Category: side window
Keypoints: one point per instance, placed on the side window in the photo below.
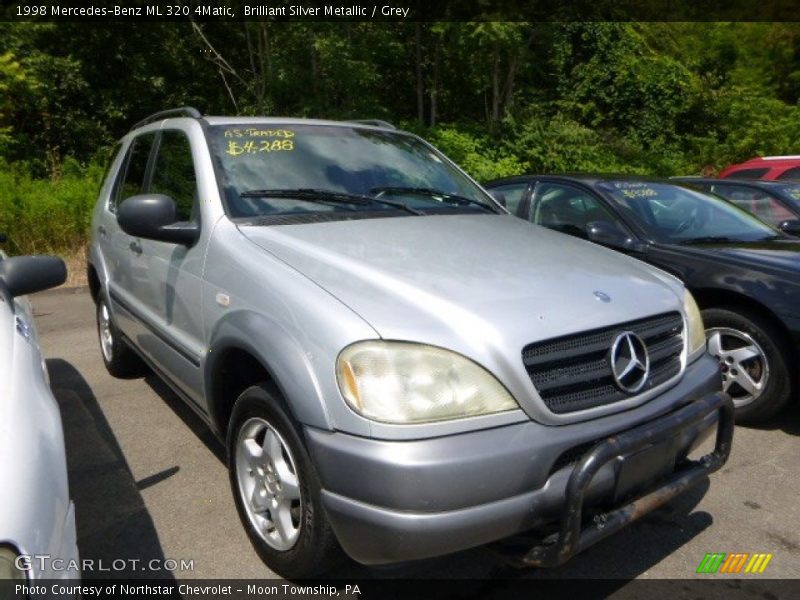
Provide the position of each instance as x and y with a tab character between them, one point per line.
173	173
131	181
567	209
746	174
703	187
107	171
512	195
755	201
793	173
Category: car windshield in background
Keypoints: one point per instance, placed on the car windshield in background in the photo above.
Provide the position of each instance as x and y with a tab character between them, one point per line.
674	214
792	194
336	168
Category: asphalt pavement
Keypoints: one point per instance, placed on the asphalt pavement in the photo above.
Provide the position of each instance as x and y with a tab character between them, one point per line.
149	482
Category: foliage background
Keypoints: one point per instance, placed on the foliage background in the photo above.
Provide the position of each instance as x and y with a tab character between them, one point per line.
499	98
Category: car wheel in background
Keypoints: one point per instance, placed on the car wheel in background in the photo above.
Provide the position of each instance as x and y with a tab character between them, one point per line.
753	360
120	360
276	488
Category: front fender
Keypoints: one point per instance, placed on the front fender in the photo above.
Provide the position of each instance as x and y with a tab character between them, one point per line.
289	365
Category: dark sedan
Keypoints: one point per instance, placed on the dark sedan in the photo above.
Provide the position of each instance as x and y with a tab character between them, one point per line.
774	202
744	274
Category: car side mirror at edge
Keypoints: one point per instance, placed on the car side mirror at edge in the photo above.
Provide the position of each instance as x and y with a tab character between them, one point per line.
791	226
608	234
153	217
28	274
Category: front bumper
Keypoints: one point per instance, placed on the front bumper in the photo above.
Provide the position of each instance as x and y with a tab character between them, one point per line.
573	538
391	501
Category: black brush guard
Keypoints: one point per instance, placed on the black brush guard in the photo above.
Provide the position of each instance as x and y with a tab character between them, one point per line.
571	540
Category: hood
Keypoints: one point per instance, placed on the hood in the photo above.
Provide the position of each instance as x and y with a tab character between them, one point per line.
473	283
783	254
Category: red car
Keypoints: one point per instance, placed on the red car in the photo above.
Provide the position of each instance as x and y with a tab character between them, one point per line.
766	167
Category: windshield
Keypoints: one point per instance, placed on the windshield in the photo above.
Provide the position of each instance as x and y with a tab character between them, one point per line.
674	214
397	169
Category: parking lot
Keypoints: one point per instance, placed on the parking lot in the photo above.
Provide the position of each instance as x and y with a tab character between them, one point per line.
149	482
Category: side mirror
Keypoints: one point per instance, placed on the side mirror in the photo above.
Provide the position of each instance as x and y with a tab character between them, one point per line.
792	227
607	234
499	197
28	274
153	217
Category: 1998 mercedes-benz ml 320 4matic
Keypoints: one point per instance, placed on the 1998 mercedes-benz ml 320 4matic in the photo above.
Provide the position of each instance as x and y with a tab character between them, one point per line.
397	366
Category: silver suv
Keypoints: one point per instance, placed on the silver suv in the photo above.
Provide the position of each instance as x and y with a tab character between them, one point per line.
396	365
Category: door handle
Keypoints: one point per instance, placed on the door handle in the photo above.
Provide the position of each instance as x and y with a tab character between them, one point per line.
136	247
101	230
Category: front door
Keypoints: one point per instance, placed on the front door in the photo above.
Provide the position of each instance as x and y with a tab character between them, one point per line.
170	295
126	271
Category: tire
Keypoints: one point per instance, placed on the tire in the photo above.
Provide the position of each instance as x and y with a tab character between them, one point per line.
732	329
120	360
285	483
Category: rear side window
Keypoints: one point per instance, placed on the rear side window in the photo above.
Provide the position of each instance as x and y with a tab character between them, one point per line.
698	185
173	173
132	182
746	174
567	209
512	195
109	163
793	173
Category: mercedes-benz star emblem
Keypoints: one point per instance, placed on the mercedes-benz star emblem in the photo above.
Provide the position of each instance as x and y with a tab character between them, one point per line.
630	362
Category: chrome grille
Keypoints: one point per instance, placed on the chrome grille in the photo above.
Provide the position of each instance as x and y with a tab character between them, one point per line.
573	372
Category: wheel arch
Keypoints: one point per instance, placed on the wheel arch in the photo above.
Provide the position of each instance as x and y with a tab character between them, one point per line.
94	281
728	299
248	349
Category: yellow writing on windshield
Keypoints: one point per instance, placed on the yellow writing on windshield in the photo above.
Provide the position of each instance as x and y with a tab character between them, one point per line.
252	132
237	148
640	193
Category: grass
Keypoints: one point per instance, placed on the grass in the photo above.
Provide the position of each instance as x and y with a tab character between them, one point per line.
49	216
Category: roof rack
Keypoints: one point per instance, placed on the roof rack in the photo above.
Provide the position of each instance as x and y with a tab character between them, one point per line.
373	122
183	111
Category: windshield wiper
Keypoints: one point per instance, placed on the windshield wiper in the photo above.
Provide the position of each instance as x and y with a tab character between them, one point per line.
323	196
709	239
309	194
431	192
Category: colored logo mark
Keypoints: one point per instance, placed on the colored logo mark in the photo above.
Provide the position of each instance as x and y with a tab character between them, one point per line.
735	562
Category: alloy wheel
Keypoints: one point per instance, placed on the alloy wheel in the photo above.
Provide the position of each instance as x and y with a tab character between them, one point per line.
744	366
268	483
105	332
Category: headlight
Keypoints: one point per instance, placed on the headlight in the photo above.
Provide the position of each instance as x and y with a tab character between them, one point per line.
9	570
696	331
401	382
